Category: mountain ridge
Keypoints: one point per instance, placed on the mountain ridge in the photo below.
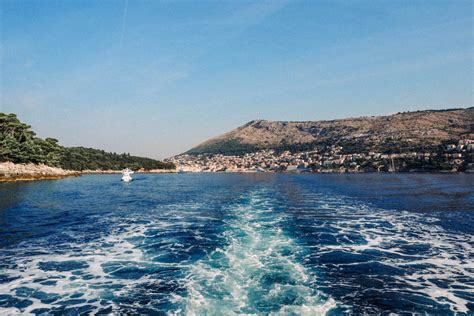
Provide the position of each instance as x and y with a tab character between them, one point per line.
401	131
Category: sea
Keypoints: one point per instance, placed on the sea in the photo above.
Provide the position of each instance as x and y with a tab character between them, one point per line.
233	244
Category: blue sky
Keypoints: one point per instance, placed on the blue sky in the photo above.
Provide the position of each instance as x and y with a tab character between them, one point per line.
155	78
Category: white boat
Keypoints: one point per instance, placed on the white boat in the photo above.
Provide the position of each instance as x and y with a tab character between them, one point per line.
127	175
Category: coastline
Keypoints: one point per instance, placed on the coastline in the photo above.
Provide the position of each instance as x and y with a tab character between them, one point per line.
336	171
11	172
110	171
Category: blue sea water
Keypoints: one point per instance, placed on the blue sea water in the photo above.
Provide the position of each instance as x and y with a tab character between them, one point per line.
225	244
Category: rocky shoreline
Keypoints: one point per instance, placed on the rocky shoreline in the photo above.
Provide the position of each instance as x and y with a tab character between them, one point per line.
11	172
98	171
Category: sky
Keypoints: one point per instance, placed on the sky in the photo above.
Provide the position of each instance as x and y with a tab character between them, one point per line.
155	78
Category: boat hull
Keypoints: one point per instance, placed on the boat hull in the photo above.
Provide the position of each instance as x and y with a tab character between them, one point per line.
126	179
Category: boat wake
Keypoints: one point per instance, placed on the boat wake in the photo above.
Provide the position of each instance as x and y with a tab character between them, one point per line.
373	258
255	272
269	252
131	269
72	281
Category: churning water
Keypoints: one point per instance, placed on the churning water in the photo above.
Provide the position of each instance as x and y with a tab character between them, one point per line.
271	244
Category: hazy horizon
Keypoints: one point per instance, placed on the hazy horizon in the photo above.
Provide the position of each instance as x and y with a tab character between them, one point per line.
157	78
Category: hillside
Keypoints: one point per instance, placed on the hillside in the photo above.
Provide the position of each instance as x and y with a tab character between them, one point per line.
400	132
80	158
19	144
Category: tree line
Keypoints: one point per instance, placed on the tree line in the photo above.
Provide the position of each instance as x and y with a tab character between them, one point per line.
19	144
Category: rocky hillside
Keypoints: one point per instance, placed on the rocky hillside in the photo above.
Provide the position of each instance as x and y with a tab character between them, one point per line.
393	133
10	172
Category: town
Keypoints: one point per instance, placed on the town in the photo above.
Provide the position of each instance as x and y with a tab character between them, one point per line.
454	157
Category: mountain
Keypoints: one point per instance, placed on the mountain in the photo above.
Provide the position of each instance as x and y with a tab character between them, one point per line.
400	132
19	144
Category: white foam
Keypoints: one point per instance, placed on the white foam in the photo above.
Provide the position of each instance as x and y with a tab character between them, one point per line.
93	254
231	279
443	254
256	247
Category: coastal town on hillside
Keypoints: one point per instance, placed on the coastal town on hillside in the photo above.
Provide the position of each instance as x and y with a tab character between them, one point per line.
451	158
